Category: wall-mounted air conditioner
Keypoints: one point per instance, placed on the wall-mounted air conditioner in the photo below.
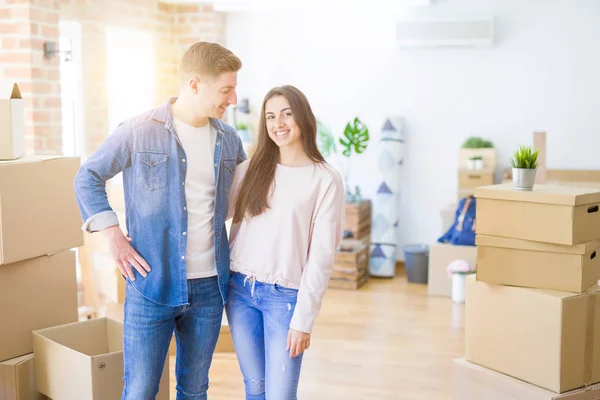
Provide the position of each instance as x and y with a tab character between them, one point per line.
446	32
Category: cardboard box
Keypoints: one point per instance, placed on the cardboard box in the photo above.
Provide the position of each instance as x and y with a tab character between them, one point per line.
547	338
440	255
35	294
12	122
448	215
116	195
108	280
538	265
474	382
488	155
474	178
84	361
549	213
17	379
38	210
462	193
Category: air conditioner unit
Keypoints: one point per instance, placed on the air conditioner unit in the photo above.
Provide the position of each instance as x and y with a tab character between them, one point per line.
462	32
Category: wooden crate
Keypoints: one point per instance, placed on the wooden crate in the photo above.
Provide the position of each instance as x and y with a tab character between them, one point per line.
351	267
358	218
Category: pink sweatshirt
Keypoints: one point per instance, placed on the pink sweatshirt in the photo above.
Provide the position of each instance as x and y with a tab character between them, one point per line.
294	242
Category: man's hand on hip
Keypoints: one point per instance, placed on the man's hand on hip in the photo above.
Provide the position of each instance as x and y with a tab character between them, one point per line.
123	254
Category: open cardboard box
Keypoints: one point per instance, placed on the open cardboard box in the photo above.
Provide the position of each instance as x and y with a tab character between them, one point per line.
84	361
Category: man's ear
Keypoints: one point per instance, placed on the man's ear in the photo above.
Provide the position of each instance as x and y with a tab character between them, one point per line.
194	83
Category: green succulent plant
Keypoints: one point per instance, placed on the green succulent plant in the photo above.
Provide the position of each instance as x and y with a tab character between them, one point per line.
525	158
475	142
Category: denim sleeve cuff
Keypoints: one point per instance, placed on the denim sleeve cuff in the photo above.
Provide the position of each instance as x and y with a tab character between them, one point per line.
100	221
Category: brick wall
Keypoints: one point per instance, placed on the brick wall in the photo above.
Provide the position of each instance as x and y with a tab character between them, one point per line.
26	24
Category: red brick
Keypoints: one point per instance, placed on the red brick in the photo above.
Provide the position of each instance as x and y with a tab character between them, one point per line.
9	43
5	14
185	8
17	72
37	15
53	74
41	117
15	57
38	73
50	31
31	44
52	103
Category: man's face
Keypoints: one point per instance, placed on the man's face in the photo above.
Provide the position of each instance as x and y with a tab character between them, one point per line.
215	94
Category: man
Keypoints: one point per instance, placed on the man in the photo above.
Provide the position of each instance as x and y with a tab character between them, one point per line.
178	162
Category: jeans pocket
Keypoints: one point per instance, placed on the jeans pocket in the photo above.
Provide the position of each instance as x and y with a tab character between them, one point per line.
284	291
152	169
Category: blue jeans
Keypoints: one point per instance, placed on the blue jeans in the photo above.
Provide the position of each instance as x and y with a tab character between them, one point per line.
259	316
147	335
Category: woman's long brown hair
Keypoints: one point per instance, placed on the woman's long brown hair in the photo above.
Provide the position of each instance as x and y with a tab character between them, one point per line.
255	190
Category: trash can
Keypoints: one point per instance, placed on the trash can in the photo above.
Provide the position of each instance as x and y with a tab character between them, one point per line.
416	262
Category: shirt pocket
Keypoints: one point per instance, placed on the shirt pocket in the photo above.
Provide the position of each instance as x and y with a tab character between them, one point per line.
152	169
228	171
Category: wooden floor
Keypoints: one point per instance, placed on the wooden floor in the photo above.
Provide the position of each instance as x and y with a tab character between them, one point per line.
388	340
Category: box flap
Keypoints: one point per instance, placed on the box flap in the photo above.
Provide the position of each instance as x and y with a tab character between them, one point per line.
511	243
547	194
516	387
33	159
10	90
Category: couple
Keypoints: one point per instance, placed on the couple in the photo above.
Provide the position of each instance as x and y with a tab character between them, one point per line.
185	173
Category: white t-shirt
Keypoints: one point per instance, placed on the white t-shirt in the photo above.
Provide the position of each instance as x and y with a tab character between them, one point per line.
199	147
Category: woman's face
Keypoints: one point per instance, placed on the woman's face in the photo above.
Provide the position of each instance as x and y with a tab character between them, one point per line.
281	125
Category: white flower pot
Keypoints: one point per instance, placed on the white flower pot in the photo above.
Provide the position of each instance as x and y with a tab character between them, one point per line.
523	179
459	287
475	164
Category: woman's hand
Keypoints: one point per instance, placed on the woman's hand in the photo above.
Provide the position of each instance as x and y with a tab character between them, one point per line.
297	342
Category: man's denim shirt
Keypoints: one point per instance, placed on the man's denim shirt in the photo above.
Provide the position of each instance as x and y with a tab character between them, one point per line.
147	150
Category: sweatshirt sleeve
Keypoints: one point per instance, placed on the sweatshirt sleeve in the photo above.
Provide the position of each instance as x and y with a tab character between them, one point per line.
238	177
326	236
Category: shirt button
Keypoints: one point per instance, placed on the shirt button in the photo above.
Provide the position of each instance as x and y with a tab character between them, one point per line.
215	165
184	233
218	143
183	183
183	160
183	257
217	258
184	208
216	233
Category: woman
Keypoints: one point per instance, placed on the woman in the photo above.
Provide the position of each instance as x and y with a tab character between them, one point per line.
287	208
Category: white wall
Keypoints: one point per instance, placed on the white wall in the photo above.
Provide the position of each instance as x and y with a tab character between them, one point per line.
542	74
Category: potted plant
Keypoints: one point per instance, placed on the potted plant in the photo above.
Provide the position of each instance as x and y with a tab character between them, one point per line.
477	148
475	162
524	167
243	131
354	141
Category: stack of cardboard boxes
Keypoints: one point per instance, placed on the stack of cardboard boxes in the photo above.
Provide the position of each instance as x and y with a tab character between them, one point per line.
533	309
44	351
470	178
